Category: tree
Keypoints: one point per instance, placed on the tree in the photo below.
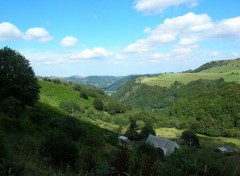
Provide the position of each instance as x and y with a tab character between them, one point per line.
84	94
131	132
146	130
98	104
190	138
17	78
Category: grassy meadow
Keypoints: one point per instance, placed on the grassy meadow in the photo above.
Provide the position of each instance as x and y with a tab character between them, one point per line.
230	72
54	94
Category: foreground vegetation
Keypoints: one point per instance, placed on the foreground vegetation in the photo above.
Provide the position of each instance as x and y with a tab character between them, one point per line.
72	129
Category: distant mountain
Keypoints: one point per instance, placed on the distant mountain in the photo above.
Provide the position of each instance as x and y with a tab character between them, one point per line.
119	83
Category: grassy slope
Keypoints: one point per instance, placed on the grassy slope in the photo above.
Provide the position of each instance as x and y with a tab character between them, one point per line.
230	72
205	141
54	94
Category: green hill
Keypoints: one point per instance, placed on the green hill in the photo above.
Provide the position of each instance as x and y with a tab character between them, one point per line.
54	94
229	70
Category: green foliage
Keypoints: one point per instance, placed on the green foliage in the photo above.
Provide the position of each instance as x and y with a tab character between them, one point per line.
60	150
210	65
233	132
98	104
121	162
71	127
84	95
3	150
198	162
209	103
10	168
146	130
90	161
17	78
190	138
69	107
11	106
115	108
131	132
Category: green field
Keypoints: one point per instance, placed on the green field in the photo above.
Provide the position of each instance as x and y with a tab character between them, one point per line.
205	141
166	80
54	94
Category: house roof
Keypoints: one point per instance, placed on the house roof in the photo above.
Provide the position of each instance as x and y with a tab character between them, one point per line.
166	145
225	149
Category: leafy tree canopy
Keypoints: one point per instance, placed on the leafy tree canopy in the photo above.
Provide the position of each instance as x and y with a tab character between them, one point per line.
17	78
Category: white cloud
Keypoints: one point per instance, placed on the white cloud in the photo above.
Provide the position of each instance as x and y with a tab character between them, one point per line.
9	32
140	46
158	6
189	29
69	41
39	34
191	41
95	53
227	28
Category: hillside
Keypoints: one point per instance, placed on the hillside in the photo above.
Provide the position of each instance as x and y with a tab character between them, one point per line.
119	83
95	81
229	70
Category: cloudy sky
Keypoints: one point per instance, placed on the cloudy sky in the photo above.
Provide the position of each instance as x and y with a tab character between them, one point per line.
120	37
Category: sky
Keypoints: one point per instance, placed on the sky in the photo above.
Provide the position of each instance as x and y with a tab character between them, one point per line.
120	37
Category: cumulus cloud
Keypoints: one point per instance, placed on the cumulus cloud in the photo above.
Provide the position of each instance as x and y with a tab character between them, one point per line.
69	41
39	34
9	32
188	29
158	6
90	54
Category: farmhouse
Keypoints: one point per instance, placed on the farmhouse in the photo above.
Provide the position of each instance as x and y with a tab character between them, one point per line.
225	149
166	145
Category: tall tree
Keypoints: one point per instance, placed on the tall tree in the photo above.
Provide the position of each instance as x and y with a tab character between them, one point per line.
17	78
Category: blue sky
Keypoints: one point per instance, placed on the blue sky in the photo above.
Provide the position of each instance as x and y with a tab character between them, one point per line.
120	37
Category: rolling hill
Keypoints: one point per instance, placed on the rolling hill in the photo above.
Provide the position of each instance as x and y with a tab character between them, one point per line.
229	70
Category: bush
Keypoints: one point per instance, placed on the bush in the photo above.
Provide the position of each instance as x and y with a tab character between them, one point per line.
84	95
11	106
190	138
98	104
60	150
3	151
69	107
146	130
71	127
232	132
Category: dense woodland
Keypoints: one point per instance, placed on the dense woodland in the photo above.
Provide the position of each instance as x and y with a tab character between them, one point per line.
50	127
207	103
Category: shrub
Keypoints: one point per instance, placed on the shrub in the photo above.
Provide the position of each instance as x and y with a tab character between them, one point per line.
232	132
190	138
71	127
60	150
11	106
84	94
69	107
98	104
146	130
